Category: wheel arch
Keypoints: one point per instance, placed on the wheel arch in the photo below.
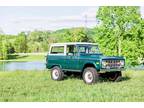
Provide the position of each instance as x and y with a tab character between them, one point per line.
89	65
55	65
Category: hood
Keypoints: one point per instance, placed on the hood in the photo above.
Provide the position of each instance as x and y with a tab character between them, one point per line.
101	56
112	57
91	56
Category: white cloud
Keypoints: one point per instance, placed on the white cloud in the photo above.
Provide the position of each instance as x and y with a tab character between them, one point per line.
19	24
53	23
90	13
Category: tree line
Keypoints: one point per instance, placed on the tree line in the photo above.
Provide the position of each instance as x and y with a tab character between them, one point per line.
120	32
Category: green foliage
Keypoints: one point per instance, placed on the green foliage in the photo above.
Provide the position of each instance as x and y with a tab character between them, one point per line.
38	41
21	43
3	47
120	32
78	35
37	86
4	51
71	35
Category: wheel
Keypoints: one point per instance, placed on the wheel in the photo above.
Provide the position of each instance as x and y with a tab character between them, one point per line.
114	76
90	75
57	73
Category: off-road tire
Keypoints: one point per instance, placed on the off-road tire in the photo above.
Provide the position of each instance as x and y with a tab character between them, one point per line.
57	73
90	75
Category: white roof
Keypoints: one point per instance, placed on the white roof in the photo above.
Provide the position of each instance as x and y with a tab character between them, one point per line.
74	43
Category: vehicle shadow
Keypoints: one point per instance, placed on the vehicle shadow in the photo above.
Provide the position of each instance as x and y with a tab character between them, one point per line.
125	78
101	80
121	79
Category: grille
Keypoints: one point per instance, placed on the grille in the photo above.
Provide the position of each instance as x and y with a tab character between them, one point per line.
112	63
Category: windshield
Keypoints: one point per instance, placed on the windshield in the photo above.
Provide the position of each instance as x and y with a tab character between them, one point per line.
90	49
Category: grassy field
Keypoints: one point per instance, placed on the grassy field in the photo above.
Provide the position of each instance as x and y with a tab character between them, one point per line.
37	86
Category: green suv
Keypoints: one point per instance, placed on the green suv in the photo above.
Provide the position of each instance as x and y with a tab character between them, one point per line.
85	59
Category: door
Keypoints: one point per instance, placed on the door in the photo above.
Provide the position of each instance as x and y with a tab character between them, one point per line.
57	56
72	58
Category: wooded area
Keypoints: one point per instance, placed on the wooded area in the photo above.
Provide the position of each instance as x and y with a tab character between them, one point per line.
120	32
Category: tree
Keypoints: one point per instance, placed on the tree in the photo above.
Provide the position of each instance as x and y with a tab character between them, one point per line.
38	41
77	35
119	30
3	47
21	43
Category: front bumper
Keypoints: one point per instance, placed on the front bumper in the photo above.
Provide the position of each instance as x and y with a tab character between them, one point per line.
111	70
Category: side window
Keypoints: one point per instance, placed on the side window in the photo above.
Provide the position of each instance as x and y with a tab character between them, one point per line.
83	49
57	50
93	49
71	50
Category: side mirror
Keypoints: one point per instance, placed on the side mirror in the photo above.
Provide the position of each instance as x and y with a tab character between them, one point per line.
70	54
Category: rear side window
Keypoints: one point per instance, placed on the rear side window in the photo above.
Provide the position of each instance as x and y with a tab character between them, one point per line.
57	50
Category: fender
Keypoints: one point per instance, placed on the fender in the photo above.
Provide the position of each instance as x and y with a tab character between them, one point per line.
54	65
91	64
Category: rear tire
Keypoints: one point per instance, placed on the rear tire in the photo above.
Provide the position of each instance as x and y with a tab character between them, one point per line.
57	73
90	75
114	76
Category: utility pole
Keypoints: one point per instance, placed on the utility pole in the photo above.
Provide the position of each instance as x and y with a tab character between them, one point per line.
86	25
85	38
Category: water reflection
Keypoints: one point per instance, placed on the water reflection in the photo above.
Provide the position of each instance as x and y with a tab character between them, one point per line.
13	66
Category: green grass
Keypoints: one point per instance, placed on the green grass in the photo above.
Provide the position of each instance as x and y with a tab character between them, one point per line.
14	57
37	86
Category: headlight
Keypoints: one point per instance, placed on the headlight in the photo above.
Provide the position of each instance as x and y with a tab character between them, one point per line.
122	62
104	63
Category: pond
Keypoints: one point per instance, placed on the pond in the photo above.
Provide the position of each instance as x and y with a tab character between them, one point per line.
13	66
40	65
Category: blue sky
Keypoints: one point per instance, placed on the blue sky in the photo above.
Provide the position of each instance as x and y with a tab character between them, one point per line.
16	19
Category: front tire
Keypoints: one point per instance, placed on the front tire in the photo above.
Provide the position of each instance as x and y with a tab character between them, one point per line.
57	73
90	75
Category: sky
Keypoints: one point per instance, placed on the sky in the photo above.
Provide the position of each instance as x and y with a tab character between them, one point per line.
14	19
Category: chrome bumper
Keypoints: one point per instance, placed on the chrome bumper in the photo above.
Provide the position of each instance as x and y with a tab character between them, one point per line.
111	70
